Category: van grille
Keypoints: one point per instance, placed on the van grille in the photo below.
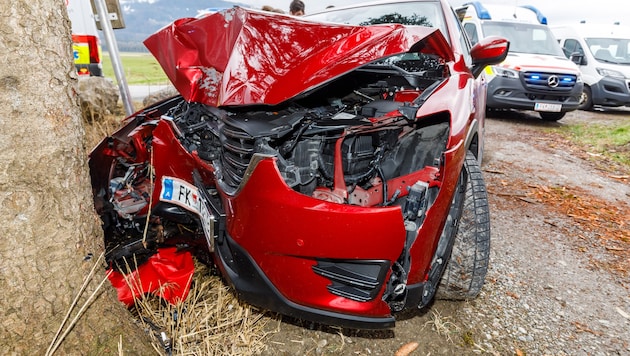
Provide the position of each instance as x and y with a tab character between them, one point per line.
550	81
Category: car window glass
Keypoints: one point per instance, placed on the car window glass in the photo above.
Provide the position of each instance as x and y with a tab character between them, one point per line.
471	31
412	14
463	40
611	50
524	38
572	46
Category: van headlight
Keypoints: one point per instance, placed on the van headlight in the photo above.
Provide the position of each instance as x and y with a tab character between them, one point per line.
610	73
505	72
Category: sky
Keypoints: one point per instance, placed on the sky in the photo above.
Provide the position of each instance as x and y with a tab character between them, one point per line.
558	12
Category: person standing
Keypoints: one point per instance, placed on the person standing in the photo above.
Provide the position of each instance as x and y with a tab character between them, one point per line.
271	9
297	8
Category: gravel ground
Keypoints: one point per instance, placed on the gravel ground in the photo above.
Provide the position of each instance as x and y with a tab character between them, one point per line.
544	295
546	292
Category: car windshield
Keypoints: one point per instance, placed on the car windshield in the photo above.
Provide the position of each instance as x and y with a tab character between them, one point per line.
611	50
427	14
524	38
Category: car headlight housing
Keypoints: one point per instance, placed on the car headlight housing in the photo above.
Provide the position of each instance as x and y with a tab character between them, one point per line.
610	73
505	72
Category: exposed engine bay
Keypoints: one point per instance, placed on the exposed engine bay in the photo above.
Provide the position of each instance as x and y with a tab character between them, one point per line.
372	109
364	122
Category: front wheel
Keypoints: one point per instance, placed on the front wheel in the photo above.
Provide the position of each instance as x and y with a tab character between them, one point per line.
466	270
586	99
551	116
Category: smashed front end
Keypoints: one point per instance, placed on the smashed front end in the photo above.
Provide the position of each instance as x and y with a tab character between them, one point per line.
324	201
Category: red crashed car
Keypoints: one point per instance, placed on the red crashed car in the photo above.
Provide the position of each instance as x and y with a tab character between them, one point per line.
326	165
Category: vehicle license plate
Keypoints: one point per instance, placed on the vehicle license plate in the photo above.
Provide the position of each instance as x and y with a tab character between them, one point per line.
548	107
180	192
207	221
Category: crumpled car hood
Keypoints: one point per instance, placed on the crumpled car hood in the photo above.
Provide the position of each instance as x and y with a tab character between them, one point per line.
247	57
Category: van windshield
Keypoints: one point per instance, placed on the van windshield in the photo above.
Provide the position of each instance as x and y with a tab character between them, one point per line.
610	50
524	38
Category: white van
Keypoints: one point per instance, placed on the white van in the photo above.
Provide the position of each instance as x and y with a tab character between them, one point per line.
535	75
602	53
86	45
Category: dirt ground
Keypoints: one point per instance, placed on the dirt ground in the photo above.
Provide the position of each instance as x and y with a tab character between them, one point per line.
558	282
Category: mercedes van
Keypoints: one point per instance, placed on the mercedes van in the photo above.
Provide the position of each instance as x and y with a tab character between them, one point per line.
602	52
535	75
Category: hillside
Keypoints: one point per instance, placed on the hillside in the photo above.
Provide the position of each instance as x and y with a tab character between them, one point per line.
142	18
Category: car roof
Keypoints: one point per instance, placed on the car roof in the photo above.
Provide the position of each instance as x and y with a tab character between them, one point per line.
600	30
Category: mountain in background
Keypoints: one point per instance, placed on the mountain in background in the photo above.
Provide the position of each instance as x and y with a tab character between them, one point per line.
144	17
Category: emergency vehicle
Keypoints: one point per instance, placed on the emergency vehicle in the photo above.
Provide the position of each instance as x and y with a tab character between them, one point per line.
535	75
602	52
86	45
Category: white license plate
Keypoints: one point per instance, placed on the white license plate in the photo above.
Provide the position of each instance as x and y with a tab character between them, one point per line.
548	107
186	195
180	192
207	222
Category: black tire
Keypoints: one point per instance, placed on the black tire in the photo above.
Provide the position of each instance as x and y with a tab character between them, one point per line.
586	100
466	270
551	116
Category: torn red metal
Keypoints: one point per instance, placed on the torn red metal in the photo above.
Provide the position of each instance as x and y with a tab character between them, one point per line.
166	274
244	57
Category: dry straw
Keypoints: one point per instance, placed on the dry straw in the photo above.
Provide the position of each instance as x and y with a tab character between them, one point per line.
211	321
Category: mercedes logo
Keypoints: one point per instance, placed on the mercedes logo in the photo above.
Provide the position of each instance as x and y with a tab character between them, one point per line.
553	81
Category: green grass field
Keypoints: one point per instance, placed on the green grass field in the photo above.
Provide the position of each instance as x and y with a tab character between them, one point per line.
612	141
139	68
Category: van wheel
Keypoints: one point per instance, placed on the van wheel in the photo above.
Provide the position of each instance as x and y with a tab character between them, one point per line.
466	270
551	116
586	99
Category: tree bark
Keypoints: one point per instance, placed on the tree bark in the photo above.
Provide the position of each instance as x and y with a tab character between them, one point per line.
47	222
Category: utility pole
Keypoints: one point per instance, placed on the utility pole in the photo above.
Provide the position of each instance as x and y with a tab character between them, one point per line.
112	48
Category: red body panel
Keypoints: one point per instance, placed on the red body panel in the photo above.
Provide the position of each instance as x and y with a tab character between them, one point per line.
244	57
311	228
168	274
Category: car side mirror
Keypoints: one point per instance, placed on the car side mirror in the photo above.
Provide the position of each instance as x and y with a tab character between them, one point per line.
578	58
489	50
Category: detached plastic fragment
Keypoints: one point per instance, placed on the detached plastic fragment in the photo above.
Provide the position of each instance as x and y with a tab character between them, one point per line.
166	274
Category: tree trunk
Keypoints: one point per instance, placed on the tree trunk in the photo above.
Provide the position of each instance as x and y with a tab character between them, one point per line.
48	226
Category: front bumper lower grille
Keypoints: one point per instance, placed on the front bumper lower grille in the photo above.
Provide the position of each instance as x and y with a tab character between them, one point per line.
355	280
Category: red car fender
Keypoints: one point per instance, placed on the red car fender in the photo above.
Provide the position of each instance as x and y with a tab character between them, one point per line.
424	248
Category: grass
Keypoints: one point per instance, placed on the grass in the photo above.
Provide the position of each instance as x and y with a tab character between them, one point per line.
139	68
105	125
442	325
611	141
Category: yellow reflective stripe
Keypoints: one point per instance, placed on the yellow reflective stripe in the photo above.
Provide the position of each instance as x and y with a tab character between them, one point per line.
81	53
